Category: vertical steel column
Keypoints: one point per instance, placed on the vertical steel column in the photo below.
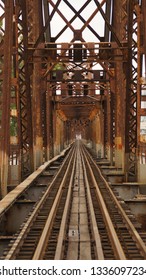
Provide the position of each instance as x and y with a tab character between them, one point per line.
112	116
142	97
25	72
144	27
120	116
6	95
37	87
67	132
46	16
106	127
109	126
49	90
108	147
108	16
54	130
44	122
132	91
49	123
65	139
120	86
138	11
14	177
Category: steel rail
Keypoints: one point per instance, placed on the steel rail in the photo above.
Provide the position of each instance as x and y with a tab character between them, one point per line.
59	248
98	246
19	240
109	224
40	249
134	233
140	243
12	196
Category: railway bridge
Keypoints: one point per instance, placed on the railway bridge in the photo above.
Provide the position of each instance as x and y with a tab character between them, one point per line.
72	129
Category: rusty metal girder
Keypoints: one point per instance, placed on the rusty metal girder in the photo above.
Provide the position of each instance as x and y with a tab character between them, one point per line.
108	17
115	37
6	87
74	55
78	14
109	125
25	90
117	88
133	89
68	24
37	88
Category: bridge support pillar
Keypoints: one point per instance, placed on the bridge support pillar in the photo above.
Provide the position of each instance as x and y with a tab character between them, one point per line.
6	97
120	84
37	91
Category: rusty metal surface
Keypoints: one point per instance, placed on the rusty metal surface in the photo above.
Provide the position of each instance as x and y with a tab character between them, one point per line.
119	84
44	71
132	91
6	96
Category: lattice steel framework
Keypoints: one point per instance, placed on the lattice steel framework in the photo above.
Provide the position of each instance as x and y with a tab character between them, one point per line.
24	74
132	88
8	88
28	54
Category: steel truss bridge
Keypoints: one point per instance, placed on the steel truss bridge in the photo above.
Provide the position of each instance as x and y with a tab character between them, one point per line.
70	70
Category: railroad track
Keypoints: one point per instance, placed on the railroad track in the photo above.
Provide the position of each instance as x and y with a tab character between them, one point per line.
123	234
79	217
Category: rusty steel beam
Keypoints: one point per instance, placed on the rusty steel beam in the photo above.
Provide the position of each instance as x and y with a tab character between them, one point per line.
114	33
6	96
29	83
92	16
25	72
108	13
141	141
78	14
47	29
108	125
106	128
49	123
61	15
47	24
118	85
2	32
37	89
132	90
143	7
15	150
138	10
